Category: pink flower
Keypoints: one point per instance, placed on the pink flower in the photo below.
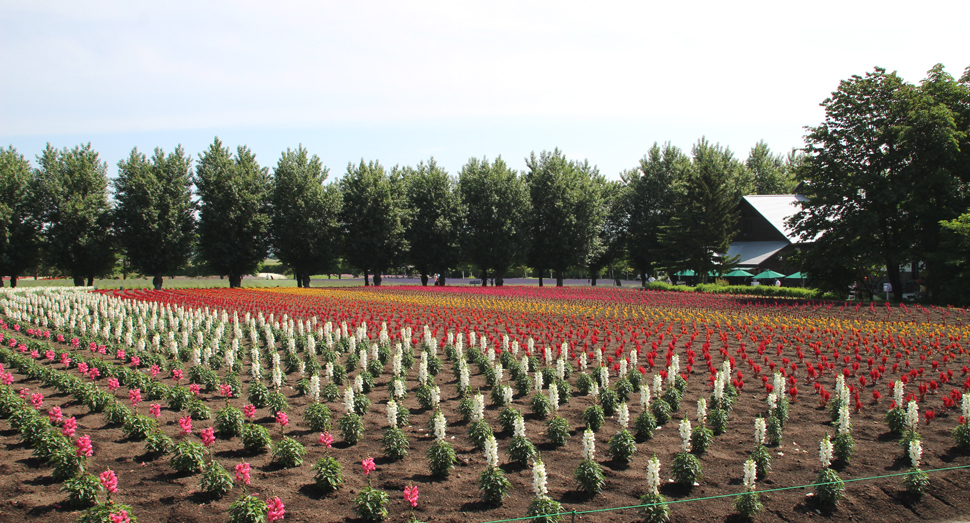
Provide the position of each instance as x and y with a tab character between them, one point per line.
7	378
242	473
194	389
177	374
155	409
34	354
82	367
120	517
24	392
83	445
274	509
65	360
411	495
50	355
75	342
135	361
249	411
185	423
113	384
93	346
208	436
134	395
102	349
60	338
368	465
154	370
55	415
37	400
325	439
70	425
226	390
120	354
282	419
94	373
109	481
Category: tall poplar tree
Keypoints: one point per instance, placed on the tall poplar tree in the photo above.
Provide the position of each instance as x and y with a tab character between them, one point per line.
374	219
19	221
435	222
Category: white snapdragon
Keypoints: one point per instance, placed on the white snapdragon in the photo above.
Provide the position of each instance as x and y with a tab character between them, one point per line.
538	381
506	395
315	387
760	431
589	445
391	413
685	431
825	450
702	411
623	415
499	372
915	452
518	427
478	407
673	370
604	377
439	426
554	397
898	393
463	376
912	416
658	385
750	475
594	390
645	397
772	401
398	388
845	425
653	476
623	368
435	396
359	383
561	368
582	361
539	478
779	385
491	451
349	399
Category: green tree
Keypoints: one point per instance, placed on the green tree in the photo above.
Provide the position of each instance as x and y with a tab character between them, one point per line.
233	216
956	255
19	222
650	200
73	198
566	214
705	216
305	216
497	204
154	214
435	223
881	172
770	172
374	218
608	245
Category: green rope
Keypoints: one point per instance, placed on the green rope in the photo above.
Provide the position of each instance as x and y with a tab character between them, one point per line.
719	496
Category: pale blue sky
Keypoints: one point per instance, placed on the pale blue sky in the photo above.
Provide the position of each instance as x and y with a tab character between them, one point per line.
402	81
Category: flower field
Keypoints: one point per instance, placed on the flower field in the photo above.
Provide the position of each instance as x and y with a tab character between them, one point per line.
477	404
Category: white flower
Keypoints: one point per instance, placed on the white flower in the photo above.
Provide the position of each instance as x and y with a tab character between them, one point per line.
673	370
915	452
439	426
491	451
750	474
478	407
645	397
594	390
539	478
844	419
825	451
912	415
701	411
391	413
965	406
604	377
623	415
538	380
398	388
359	383
435	396
685	431
554	396
623	368
314	387
349	399
589	445
506	394
499	372
772	401
582	361
653	476
518	427
657	385
760	431
779	385
463	375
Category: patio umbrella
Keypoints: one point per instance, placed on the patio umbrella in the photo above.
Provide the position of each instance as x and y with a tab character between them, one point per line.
768	274
687	273
796	276
738	273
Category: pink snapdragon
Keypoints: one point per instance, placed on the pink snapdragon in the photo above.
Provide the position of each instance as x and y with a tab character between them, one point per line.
50	355
208	435
84	447
249	410
82	367
275	509
226	390
37	400
154	370
120	517
411	495
135	362
65	360
134	395
185	423
155	409
120	354
325	439
94	373
7	378
24	393
70	426
194	389
55	414
113	384
109	481
282	419
177	374
368	465
242	473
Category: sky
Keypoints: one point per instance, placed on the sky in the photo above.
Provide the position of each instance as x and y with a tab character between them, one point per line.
400	82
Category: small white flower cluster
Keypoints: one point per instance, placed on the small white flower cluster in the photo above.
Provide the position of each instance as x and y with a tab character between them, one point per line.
538	381
658	385
594	390
539	478
645	397
435	396
491	451
915	452
554	396
423	369
772	401
397	361
653	476
314	387
750	475
912	415
623	368
720	381
589	445
349	399
760	431
685	431
561	366
845	425
499	372
825	451
623	416
965	407
702	411
518	427
359	383
439	426
673	370
478	407
604	377
463	376
506	394
391	413
277	371
779	385
582	361
898	393
399	388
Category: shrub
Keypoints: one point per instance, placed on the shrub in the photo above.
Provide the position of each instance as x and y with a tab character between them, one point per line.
179	398
589	475
622	447
327	474
661	411
558	431
829	488
507	419
700	439
318	417
229	422
541	406
593	416
199	410
896	420
247	509
371	504
686	469
544	509
748	505
962	436
255	438
288	452
609	401
258	395
522	451
361	404
672	397
493	485
441	458
584	383
216	481
762	458
158	444
140	427
478	432
101	513
644	425
843	446
82	491
654	508
330	392
395	444
916	482
774	431
351	427
187	456
276	402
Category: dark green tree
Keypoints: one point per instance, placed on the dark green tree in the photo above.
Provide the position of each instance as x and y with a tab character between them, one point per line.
608	245
497	205
305	215
374	219
19	222
154	214
233	216
705	216
769	171
882	172
435	222
650	199
566	212
73	198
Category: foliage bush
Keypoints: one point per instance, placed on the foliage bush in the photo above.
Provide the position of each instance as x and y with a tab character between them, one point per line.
288	452
187	457
327	474
216	481
255	438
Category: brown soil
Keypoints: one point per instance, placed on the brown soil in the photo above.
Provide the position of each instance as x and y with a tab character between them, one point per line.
157	493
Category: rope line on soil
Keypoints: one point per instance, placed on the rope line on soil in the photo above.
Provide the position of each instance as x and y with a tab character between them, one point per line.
580	512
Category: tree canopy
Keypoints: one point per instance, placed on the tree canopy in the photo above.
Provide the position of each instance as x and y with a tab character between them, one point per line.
435	221
374	218
19	221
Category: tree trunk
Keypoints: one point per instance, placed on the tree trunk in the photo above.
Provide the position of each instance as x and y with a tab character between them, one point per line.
643	278
306	280
540	278
366	279
892	272
13	281
157	281
235	281
592	277
424	279
441	280
484	277
558	278
377	279
299	279
499	280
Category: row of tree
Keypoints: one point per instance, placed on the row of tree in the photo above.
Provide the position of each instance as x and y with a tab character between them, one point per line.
228	213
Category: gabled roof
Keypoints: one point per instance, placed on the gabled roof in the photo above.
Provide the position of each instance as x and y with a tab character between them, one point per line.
753	254
776	208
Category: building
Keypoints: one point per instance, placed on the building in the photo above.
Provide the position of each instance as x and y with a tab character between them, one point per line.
763	241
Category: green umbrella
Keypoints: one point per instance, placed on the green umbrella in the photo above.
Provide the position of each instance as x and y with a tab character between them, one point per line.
796	276
769	274
687	273
738	273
